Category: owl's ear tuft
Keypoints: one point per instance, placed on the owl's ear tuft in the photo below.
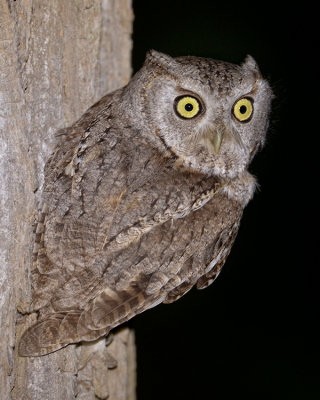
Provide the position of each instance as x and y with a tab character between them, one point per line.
155	58
250	62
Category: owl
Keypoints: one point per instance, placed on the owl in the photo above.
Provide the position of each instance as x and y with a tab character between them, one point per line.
143	196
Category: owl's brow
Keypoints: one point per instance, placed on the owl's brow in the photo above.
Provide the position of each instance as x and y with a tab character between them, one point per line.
185	91
255	86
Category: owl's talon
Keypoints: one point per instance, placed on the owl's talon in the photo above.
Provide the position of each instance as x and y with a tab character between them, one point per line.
109	338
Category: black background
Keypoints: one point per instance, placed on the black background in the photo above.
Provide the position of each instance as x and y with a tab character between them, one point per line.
255	332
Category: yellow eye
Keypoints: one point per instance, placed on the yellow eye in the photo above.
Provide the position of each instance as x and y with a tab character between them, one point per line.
243	109
187	106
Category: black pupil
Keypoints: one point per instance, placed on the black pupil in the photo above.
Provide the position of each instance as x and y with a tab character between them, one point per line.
188	107
243	109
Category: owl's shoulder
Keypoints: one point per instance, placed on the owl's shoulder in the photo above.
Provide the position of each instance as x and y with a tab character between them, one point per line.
241	188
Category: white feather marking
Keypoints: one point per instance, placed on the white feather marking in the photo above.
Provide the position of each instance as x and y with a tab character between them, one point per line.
156	302
216	260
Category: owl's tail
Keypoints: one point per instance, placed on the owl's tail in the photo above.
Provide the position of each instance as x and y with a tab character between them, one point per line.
51	334
60	329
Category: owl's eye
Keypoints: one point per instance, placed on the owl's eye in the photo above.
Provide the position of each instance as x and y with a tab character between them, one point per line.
243	109
187	107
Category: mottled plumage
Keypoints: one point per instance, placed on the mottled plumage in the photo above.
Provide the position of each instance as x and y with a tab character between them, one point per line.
141	203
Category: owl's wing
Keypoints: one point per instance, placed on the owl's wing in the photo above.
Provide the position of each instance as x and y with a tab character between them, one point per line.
159	267
100	196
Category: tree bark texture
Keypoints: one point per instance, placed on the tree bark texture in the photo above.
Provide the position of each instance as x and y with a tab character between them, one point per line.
57	58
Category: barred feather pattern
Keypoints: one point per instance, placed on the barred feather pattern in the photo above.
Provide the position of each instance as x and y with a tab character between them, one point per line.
126	221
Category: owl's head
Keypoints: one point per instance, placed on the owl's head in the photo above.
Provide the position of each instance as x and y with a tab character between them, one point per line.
212	115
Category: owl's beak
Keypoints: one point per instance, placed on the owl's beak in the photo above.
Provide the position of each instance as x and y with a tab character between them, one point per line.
212	137
216	139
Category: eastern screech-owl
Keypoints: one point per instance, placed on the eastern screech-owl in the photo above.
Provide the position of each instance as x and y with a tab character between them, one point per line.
143	196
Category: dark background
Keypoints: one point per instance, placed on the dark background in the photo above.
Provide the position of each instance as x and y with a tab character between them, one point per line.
255	332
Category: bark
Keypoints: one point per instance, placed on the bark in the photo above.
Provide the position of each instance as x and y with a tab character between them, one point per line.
56	59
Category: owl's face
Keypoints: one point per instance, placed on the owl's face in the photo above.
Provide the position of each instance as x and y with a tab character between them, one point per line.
211	114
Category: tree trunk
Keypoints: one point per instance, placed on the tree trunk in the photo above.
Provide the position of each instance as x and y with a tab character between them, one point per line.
56	59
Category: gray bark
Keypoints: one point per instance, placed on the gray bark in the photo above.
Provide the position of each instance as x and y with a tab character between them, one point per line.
56	59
